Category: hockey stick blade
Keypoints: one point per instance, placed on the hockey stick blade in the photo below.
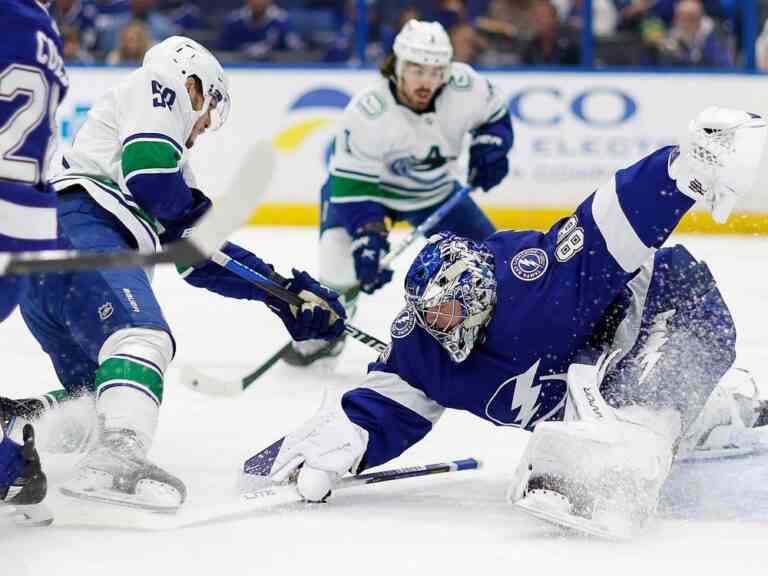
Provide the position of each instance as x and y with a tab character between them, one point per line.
198	380
231	210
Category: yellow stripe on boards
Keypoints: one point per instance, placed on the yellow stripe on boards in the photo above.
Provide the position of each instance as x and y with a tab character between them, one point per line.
303	214
290	138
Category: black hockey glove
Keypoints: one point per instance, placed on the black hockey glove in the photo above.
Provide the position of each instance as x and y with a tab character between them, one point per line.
322	317
488	162
182	227
369	245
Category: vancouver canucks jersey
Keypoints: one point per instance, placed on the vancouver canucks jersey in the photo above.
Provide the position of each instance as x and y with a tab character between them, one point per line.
130	154
387	153
553	289
32	84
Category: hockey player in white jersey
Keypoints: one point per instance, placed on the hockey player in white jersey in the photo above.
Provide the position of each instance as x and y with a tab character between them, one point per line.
127	184
593	336
395	159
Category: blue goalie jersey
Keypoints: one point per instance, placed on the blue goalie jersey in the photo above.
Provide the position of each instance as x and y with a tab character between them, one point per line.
32	84
553	289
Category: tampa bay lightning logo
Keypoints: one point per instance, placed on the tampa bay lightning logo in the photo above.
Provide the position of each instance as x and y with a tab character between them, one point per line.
530	264
403	324
415	168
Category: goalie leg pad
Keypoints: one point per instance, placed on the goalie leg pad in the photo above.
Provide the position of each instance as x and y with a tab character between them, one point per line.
597	477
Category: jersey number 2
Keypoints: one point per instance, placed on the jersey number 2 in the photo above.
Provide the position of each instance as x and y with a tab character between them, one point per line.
18	81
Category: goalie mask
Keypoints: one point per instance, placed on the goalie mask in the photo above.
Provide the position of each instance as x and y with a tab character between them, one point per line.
451	288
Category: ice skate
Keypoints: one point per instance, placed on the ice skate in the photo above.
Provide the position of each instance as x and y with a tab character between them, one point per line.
310	351
732	423
719	158
570	506
117	471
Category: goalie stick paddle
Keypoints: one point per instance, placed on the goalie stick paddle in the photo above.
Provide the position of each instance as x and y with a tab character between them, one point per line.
197	380
100	515
228	213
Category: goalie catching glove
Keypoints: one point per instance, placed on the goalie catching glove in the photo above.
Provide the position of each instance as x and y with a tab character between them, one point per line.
321	316
315	457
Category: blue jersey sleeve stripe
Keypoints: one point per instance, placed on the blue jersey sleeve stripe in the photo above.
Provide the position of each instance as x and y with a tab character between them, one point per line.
620	237
153	136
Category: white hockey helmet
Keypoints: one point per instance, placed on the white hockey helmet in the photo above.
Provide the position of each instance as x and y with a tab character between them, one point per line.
424	43
183	57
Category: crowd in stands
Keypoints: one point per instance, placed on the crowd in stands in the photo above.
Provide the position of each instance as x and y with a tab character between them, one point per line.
486	33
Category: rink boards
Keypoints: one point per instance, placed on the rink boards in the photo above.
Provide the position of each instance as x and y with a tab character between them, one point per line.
572	130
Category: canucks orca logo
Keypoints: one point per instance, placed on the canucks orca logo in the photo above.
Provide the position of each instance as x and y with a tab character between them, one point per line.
414	168
404	323
530	264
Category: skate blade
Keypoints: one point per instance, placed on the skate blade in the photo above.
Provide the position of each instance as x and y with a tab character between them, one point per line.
28	515
117	499
538	508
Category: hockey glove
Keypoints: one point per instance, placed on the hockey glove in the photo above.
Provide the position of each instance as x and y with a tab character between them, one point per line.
182	227
369	244
322	316
488	163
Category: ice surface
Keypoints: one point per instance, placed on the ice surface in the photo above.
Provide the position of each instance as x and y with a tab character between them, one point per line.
452	523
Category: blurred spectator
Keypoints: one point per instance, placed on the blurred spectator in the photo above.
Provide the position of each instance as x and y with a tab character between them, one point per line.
501	27
186	15
604	15
692	40
158	26
761	48
73	52
81	16
551	43
381	35
449	13
258	30
468	46
135	40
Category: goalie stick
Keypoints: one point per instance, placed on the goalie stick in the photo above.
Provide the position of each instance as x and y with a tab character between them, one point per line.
261	499
196	379
228	213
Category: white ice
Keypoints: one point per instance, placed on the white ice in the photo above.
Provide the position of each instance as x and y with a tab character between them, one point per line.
452	523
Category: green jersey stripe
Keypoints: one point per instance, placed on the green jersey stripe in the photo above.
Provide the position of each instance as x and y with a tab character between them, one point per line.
143	155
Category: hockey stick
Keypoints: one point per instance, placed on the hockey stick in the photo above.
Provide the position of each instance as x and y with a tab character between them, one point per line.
229	212
422	229
198	380
261	499
273	288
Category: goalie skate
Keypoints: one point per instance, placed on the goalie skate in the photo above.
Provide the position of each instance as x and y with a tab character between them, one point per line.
117	471
544	500
310	351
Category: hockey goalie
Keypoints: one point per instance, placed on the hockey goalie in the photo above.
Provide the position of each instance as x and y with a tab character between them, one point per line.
603	343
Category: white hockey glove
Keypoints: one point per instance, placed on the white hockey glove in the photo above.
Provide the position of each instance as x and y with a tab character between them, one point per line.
322	451
719	158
